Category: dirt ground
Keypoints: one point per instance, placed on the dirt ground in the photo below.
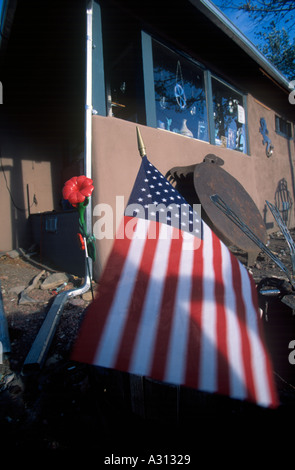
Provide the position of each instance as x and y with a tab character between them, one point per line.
69	406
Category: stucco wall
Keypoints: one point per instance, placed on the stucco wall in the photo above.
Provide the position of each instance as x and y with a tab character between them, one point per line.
116	162
29	172
269	173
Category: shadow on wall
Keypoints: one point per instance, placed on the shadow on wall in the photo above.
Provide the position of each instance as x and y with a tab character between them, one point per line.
283	201
15	223
30	183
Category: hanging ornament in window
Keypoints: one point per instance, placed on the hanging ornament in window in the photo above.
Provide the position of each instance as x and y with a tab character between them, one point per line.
230	106
123	87
193	110
240	139
163	102
179	88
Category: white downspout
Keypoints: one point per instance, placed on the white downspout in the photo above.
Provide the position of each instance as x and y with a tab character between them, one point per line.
88	109
37	354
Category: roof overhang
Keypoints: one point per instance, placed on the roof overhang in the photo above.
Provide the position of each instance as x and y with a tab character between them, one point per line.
7	10
215	15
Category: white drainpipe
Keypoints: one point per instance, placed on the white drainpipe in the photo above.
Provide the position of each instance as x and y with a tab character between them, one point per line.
37	354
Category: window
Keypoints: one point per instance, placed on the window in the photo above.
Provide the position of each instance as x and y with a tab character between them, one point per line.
122	85
229	117
186	99
179	94
152	84
283	127
122	65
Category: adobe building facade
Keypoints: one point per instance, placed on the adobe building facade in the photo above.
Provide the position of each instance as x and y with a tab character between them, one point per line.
192	84
230	108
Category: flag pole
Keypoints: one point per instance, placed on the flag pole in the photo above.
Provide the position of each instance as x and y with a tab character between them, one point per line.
136	383
141	146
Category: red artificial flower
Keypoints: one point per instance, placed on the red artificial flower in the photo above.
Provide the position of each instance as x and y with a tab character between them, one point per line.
77	189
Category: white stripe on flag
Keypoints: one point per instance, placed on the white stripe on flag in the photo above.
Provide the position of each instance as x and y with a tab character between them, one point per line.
259	366
114	327
176	362
146	334
208	353
234	342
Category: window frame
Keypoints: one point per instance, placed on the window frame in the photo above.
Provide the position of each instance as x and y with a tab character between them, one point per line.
148	79
278	130
244	101
149	88
99	104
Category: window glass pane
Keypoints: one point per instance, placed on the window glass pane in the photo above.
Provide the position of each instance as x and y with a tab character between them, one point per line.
122	85
283	127
179	93
229	117
122	64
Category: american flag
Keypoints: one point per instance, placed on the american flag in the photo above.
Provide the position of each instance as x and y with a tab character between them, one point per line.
174	304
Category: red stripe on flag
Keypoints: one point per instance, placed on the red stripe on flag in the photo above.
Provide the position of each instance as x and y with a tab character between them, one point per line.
89	336
221	326
137	300
245	343
167	308
269	367
193	348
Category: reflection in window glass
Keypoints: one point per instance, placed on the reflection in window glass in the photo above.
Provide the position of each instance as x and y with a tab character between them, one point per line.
122	64
229	117
179	93
283	127
122	86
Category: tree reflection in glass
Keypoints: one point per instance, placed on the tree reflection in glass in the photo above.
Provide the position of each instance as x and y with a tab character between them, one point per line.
179	94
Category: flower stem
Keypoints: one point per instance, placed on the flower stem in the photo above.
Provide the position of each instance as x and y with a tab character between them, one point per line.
83	229
81	209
